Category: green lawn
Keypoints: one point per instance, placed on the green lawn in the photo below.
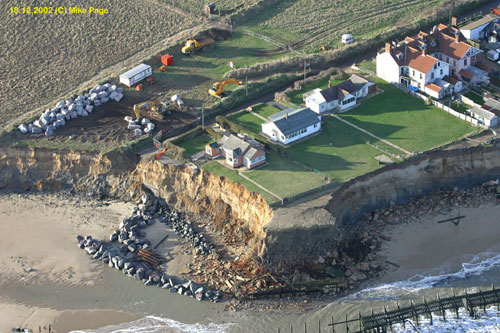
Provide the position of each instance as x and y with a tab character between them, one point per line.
369	65
296	96
474	97
265	110
196	144
340	151
247	120
221	170
406	121
284	178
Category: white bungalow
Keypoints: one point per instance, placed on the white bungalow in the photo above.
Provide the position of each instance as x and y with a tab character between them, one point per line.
288	126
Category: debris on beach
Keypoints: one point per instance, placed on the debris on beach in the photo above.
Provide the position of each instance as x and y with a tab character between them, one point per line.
129	250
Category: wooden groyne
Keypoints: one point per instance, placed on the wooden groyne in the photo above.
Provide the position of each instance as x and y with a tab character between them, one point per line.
382	321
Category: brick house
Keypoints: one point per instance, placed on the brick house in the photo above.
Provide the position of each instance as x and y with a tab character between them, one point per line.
237	151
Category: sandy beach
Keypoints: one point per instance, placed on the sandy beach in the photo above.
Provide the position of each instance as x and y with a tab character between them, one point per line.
427	246
37	247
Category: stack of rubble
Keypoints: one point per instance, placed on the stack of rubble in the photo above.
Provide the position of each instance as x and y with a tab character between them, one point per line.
136	124
69	109
126	241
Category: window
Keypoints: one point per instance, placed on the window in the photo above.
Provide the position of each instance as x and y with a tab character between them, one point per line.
454	62
315	125
413	74
420	75
432	76
474	58
465	62
447	59
441	71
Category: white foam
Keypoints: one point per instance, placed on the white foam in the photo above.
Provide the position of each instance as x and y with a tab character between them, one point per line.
488	322
479	264
152	324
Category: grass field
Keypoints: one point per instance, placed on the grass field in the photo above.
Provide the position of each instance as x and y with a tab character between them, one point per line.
339	152
192	76
278	173
221	170
317	23
406	121
250	122
196	144
265	110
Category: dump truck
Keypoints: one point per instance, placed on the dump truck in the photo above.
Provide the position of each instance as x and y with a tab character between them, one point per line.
193	45
217	89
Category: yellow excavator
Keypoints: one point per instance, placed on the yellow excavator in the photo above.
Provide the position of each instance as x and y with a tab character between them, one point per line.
158	110
217	89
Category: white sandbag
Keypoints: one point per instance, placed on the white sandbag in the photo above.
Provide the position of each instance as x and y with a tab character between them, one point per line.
72	107
36	130
44	121
23	128
118	97
60	123
60	105
79	112
64	111
119	90
103	94
59	116
84	114
97	102
112	95
38	123
145	121
89	108
138	131
49	131
128	118
133	126
151	126
73	115
147	130
104	100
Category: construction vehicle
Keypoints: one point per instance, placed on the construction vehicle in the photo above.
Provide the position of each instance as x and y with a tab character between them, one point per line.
217	89
158	110
193	45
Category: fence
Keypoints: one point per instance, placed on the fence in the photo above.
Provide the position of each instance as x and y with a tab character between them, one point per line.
320	188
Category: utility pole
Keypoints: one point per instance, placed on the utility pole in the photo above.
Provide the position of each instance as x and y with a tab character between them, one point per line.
246	84
202	119
304	72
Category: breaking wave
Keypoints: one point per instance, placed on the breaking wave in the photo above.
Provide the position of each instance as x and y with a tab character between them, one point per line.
152	324
479	264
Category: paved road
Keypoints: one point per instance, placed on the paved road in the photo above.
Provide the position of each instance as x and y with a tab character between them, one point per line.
372	135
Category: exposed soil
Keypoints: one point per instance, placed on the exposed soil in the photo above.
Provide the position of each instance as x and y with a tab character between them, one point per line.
106	127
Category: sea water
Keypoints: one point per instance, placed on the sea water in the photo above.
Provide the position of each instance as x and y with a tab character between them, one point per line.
481	271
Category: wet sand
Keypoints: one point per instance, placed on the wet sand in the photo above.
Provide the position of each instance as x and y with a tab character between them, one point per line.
439	248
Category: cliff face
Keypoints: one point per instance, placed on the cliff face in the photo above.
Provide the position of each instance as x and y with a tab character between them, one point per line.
235	210
238	213
436	170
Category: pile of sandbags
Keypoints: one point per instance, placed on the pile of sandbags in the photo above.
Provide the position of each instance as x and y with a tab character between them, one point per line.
140	126
69	109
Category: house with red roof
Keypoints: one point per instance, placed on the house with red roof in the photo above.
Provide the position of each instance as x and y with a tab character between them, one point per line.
426	60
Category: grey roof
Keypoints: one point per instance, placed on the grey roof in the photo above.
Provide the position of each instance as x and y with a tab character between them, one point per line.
297	120
281	114
239	146
477	23
353	84
136	70
492	103
485	114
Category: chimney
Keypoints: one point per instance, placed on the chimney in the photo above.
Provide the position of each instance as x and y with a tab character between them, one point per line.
286	116
329	84
424	51
457	38
388	47
454	21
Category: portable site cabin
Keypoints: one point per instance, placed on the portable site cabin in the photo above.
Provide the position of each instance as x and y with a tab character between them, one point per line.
347	39
135	75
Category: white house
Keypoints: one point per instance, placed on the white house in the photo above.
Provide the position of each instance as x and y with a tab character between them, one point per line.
289	126
486	117
341	96
476	29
